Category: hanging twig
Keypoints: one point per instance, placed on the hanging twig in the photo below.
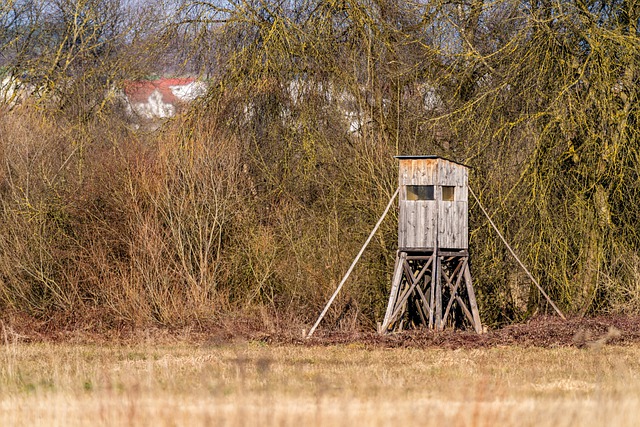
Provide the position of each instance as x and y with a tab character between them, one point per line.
535	282
353	264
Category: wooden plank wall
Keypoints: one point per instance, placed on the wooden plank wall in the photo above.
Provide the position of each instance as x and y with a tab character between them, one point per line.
453	232
417	219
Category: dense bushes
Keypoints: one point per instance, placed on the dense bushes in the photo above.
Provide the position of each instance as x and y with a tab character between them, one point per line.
253	204
173	229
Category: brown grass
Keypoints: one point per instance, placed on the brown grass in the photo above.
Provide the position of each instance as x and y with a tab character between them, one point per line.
106	226
249	383
258	197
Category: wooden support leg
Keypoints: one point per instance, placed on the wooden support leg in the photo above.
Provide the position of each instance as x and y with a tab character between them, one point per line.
472	300
412	284
395	289
432	291
438	286
414	287
465	310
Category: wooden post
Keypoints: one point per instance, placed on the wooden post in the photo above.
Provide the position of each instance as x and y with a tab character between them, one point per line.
432	299
395	286
437	273
472	299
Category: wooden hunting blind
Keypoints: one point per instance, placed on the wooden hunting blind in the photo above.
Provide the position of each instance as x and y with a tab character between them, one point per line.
432	283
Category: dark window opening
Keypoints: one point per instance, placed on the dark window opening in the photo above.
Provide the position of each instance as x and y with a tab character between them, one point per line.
420	192
448	193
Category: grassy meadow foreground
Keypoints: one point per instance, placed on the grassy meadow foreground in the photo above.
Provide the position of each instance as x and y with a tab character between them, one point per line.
251	383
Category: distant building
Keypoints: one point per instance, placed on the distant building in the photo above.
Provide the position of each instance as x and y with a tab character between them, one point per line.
161	98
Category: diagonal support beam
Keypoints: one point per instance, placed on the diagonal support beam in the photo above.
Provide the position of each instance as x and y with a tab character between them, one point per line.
353	264
454	290
535	282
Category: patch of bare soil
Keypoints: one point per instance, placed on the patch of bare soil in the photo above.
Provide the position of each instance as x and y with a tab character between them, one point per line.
543	331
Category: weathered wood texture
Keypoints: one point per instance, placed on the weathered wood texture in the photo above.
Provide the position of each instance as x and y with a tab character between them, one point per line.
428	291
437	223
433	259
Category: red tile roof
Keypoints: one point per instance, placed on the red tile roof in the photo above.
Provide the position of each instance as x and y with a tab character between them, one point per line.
141	90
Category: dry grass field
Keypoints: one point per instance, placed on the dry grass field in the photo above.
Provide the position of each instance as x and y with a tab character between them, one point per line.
252	383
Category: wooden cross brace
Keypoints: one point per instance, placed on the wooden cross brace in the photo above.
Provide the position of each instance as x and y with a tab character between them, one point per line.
421	279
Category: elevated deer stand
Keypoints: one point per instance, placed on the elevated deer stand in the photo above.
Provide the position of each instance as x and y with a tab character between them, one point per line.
432	285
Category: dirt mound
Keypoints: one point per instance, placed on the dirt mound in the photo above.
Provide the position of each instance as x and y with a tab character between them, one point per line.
544	331
538	332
